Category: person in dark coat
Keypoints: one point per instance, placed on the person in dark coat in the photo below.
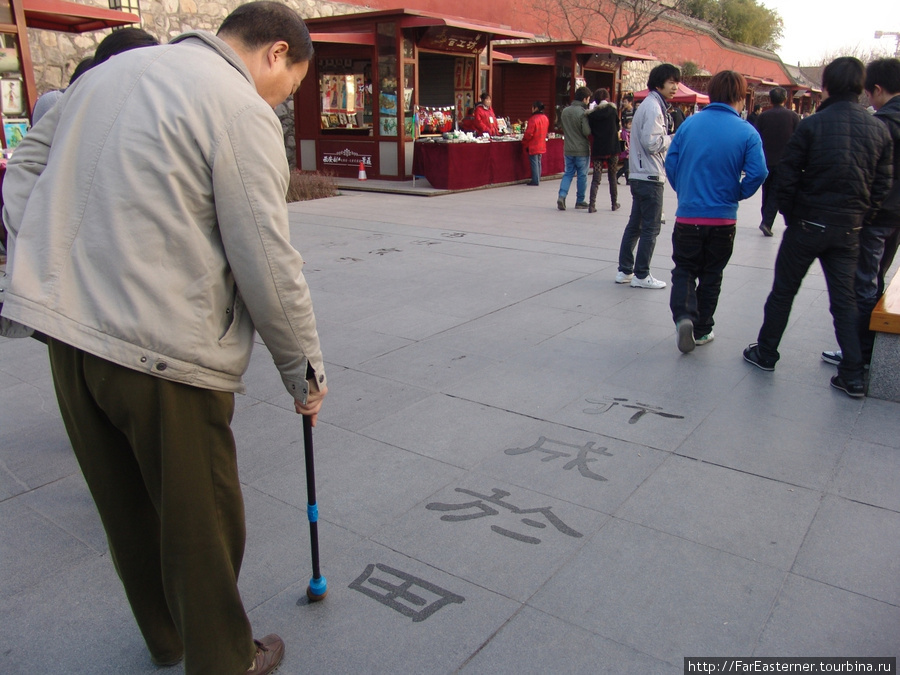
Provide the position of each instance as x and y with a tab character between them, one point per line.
836	171
775	126
754	116
880	236
604	122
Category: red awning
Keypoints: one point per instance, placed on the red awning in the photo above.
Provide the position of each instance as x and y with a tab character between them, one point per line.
71	17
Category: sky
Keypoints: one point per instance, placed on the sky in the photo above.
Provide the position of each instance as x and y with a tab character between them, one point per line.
815	28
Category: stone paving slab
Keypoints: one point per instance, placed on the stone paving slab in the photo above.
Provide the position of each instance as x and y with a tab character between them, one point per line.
664	595
465	337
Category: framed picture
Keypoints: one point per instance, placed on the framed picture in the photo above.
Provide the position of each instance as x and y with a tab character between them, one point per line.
14	130
332	119
470	74
388	126
11	97
342	119
9	60
325	123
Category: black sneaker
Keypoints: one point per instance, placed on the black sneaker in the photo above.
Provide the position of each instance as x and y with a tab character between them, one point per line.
765	229
834	358
582	205
854	389
685	331
752	355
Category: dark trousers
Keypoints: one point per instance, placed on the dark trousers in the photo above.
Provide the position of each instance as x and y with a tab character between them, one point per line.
643	226
159	460
769	203
535	161
612	165
876	244
700	253
837	249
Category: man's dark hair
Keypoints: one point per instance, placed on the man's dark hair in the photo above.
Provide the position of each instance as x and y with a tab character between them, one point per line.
844	75
601	94
582	93
538	105
885	72
662	74
259	24
757	108
484	96
778	95
122	40
727	86
83	66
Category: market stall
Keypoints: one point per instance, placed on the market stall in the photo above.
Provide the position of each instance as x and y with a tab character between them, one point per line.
551	72
382	78
461	166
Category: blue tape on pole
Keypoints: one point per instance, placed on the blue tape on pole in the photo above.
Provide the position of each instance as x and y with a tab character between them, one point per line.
318	586
312	512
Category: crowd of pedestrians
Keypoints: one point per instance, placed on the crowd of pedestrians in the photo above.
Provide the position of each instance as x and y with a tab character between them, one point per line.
832	176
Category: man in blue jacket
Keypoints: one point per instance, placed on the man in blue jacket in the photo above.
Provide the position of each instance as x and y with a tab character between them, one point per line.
704	164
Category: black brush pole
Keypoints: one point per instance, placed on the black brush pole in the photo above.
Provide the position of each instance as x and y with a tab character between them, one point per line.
318	586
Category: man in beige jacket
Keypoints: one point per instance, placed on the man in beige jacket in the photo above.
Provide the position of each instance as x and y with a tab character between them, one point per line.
148	239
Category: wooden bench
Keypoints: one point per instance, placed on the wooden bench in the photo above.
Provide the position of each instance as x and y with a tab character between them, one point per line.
884	372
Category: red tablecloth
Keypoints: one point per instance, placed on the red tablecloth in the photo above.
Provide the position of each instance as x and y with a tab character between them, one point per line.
457	166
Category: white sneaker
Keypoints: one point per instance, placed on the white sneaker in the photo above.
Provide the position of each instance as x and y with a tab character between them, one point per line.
622	278
706	339
647	282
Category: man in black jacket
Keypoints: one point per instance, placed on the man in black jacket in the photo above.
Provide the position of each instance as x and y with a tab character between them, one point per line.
836	170
880	236
604	121
775	126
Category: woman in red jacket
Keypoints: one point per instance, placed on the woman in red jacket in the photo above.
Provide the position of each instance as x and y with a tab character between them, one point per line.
535	140
485	119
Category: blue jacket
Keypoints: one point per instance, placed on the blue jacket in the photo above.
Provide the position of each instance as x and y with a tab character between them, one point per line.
705	161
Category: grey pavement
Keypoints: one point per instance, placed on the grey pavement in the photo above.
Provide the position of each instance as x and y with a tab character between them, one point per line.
517	470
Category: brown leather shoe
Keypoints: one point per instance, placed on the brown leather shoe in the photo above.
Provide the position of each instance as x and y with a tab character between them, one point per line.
269	652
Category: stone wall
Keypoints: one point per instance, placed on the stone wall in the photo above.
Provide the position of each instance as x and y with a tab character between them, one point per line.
56	54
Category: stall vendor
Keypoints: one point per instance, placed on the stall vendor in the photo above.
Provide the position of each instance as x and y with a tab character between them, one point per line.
485	118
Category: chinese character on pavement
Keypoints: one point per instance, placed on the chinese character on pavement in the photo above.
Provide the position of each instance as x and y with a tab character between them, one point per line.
482	509
412	597
642	409
580	462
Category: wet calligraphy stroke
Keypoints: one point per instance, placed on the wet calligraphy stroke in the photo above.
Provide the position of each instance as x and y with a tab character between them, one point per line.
608	404
580	462
483	510
400	597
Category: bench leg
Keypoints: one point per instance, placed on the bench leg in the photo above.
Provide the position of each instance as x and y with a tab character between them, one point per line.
884	371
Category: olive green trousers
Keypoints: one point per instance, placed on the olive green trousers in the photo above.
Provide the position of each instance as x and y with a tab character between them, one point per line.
159	460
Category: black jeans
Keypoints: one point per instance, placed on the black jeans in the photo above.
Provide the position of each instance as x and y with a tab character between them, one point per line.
837	248
612	166
643	225
700	253
875	244
769	203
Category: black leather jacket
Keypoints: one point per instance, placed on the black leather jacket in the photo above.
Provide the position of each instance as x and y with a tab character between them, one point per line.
889	214
838	166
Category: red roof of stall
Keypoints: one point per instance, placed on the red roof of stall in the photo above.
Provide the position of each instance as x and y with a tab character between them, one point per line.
71	17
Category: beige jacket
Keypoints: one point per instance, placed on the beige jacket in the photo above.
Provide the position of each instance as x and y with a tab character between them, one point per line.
148	222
